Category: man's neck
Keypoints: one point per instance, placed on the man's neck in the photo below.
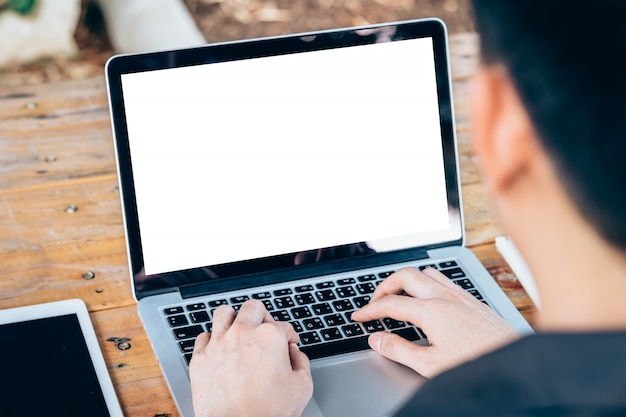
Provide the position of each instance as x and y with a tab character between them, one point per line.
581	282
581	278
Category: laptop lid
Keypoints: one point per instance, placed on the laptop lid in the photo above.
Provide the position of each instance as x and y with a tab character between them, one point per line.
267	160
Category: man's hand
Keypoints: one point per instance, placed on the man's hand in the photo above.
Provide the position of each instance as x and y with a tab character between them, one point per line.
249	365
459	327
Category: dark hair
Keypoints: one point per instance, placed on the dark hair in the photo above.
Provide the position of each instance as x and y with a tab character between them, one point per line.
565	60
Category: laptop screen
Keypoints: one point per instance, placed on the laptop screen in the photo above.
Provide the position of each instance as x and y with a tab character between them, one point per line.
252	164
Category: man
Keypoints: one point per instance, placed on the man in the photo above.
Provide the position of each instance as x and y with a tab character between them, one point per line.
546	107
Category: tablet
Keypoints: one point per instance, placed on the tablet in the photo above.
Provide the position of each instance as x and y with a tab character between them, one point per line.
52	364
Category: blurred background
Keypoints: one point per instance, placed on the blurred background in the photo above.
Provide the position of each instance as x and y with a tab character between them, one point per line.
49	40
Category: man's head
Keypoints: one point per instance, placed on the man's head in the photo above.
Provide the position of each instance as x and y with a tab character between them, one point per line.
563	59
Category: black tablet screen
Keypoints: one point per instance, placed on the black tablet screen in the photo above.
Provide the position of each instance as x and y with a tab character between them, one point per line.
47	370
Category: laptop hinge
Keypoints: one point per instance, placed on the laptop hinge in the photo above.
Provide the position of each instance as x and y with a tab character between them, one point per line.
302	272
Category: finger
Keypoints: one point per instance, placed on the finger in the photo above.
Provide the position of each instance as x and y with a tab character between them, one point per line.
299	361
253	312
394	284
439	277
408	280
223	318
399	307
288	331
201	342
398	349
449	284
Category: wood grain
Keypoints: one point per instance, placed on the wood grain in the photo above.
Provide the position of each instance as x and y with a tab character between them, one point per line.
56	152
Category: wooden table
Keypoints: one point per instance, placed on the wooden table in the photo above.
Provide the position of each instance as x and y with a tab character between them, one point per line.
61	220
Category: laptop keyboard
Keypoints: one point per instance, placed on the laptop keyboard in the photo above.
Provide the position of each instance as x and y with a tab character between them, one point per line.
320	312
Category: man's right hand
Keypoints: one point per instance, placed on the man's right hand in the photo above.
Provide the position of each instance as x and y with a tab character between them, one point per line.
459	327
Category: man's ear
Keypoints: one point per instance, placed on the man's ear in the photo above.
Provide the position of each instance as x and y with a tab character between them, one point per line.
503	136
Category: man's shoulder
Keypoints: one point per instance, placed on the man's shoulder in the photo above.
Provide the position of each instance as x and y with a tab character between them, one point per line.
547	374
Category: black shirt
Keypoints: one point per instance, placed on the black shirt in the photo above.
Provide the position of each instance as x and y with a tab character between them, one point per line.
541	375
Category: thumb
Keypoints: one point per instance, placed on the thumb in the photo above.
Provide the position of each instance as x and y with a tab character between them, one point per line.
299	361
201	341
396	348
301	367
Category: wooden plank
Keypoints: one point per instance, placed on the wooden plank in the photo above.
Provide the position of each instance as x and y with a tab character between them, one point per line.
135	372
78	212
506	279
54	272
44	157
44	249
480	224
49	104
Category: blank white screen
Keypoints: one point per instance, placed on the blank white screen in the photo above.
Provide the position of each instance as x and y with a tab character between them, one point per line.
255	158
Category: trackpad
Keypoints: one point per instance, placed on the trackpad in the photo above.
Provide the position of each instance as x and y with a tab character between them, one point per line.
364	385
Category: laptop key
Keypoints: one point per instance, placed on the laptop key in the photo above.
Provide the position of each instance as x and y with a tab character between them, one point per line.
334	347
344	292
351	330
384	275
346	281
373	326
323	285
313	323
304	288
199	316
409	333
334	320
321	309
366	288
433	266
209	327
189	332
343	305
303	299
176	321
172	310
349	317
453	273
188	358
217	303
447	264
261	295
331	334
186	346
421	332
196	306
281	315
285	291
301	312
369	277
239	299
361	301
284	302
309	338
393	324
268	305
325	295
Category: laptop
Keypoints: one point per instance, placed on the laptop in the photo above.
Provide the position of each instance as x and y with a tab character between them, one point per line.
299	170
52	364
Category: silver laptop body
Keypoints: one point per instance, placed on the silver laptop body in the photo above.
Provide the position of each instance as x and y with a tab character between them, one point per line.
299	170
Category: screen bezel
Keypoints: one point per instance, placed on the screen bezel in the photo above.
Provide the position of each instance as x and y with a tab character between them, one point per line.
256	48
